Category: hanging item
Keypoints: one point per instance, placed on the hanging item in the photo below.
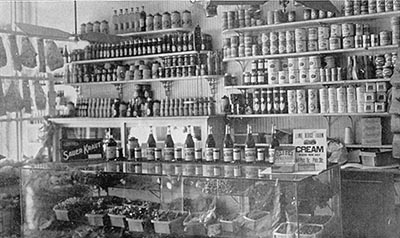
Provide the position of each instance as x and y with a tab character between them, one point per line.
54	57
28	53
3	55
2	101
14	52
40	96
13	99
42	59
26	93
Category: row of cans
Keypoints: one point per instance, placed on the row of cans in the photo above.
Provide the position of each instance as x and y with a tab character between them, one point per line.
275	65
363	7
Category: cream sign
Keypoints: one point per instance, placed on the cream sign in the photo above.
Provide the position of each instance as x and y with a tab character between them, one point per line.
311	148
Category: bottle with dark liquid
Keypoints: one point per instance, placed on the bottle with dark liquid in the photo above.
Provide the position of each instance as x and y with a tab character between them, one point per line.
151	145
120	21
274	144
210	145
189	147
142	19
250	147
228	145
115	22
169	146
111	149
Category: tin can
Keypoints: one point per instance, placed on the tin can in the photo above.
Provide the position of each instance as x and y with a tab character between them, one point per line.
300	34
282	36
293	63
282	47
314	75
334	43
270	101
274	65
348	42
351	99
304	76
290	46
372	6
313	33
274	48
292	98
324	101
360	91
388	5
332	97
348	29
312	45
334	74
291	16
380	5
283	77
322	75
396	5
314	62
323	44
341	99
323	32
273	78
293	76
301	46
328	74
303	63
166	20
290	35
312	101
358	41
336	30
266	49
374	40
265	37
384	38
366	41
270	18
307	14
301	101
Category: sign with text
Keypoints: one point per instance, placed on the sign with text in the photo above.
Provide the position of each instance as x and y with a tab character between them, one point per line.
285	155
81	149
311	148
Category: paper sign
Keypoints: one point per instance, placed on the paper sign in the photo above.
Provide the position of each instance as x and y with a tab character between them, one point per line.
311	148
81	149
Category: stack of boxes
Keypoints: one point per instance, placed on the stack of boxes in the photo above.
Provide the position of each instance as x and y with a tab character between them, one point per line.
375	97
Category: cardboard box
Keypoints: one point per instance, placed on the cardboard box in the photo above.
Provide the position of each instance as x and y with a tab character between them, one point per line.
369	107
369	97
381	97
370	87
371	131
380	107
376	158
381	87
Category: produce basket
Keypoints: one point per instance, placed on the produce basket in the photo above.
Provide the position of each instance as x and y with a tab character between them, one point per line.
136	225
229	226
62	215
169	227
254	221
310	231
193	226
96	219
326	221
285	230
117	220
8	221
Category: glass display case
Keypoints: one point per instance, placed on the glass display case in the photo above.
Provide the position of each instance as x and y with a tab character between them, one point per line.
160	199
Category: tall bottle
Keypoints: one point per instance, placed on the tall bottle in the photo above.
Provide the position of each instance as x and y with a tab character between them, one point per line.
274	144
137	20
250	152
151	145
120	21
189	147
131	19
169	146
111	148
115	22
228	145
142	20
210	145
126	20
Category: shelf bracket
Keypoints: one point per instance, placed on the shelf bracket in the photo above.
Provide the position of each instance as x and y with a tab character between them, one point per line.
212	82
167	87
118	87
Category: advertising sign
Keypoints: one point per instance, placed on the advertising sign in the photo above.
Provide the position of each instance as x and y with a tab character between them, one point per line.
81	149
311	149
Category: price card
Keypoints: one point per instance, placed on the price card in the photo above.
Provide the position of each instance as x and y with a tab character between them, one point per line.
311	148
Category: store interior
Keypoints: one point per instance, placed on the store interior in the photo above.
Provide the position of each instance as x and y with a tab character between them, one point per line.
200	118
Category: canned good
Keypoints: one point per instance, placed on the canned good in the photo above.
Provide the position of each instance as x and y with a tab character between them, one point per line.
322	75
348	42
314	75
312	45
372	6
336	30
334	43
300	34
290	35
380	5
291	16
322	14
290	46
323	44
283	77
293	63
388	5
314	62
358	41
301	46
332	100
274	65
351	99
323	99
304	76
265	37
374	40
270	18
366	41
274	48
293	76
313	101
292	98
384	38
314	14
301	101
273	78
348	29
307	14
303	63
313	33
323	32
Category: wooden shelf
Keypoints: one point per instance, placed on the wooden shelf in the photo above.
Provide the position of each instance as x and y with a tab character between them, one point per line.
137	57
156	32
146	81
316	22
387	48
34	78
293	85
372	114
356	146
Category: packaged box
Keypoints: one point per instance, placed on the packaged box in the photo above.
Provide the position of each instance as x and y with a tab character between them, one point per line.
381	97
376	158
370	87
380	107
369	97
371	131
369	107
381	87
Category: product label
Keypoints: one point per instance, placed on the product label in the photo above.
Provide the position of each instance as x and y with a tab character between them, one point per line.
250	154
198	154
111	152
138	153
169	154
189	154
209	154
150	154
236	155
228	154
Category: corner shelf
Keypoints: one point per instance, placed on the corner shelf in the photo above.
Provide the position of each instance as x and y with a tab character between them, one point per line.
386	48
293	85
128	58
316	22
364	114
155	32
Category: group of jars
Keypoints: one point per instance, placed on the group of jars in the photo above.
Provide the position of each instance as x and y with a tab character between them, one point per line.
187	107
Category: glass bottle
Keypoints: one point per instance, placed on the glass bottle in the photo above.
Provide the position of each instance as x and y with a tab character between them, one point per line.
250	147
228	145
131	19
274	144
126	20
120	21
189	146
137	20
115	22
169	146
142	20
151	145
210	145
111	149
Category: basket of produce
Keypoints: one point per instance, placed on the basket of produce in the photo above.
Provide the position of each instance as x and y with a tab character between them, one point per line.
310	231
139	217
168	222
285	230
255	219
72	208
117	217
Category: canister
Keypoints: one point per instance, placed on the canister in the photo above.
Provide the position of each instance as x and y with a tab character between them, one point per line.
266	50
384	38
301	101
357	7
293	63
270	18
332	99
323	32
314	75
336	30
283	77
322	14
380	5
273	78
300	34
89	27
283	101
314	14
323	99
314	62
290	46
187	19
301	46
265	37
351	99
166	20
273	36
360	91
313	33
322	75
282	36
293	76
284	64
334	43
292	98
312	45
282	47
307	14
312	100
274	65
328	74
231	19
323	44
348	42
274	47
304	76
290	35
303	63
348	29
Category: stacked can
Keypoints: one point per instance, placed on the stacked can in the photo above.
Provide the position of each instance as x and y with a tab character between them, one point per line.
330	66
293	67
371	6
274	42
335	41
323	37
348	33
265	43
241	18
348	7
313	101
301	40
312	43
231	19
314	63
292	98
323	100
341	100
282	42
395	23
379	64
248	43
274	67
351	99
360	91
290	42
364	7
357	7
380	5
304	70
387	70
301	101
333	100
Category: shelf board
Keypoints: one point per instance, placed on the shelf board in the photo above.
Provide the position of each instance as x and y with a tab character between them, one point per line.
156	32
316	22
372	114
311	53
34	78
137	57
344	82
356	146
146	81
